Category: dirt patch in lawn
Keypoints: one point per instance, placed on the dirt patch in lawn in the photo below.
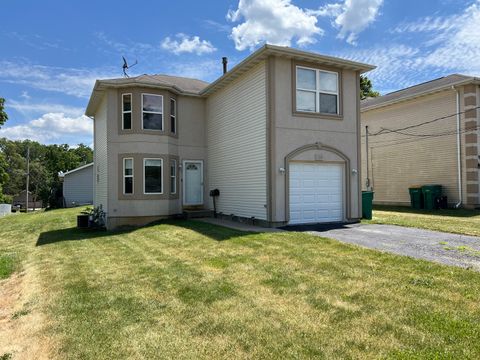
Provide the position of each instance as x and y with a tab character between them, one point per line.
21	321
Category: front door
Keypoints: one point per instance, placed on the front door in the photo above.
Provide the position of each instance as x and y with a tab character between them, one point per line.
193	182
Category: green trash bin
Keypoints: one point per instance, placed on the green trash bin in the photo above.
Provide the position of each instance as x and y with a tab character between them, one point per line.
367	204
430	194
416	197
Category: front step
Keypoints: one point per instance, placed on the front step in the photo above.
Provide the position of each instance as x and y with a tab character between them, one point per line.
195	214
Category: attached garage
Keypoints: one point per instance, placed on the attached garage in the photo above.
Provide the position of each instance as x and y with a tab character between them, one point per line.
316	192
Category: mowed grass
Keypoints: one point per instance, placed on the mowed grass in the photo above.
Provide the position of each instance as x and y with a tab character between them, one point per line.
8	264
190	290
457	221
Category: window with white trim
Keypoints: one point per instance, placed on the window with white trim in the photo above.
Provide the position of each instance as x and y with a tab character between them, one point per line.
173	176
152	176
173	116
152	112
317	91
127	176
126	111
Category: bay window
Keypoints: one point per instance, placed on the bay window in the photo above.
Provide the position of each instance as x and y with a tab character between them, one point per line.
126	111
173	177
152	112
173	116
127	176
152	175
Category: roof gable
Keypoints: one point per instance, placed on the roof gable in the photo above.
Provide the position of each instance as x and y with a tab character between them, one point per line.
195	87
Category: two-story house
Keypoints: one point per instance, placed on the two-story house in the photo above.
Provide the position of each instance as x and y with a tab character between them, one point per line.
277	135
425	134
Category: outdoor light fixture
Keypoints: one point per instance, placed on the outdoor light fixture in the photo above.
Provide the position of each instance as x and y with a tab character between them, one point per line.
354	171
282	170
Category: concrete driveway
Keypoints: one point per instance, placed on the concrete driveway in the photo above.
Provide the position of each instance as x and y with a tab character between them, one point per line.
450	249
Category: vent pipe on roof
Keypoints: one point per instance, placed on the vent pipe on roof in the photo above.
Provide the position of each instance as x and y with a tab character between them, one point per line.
224	62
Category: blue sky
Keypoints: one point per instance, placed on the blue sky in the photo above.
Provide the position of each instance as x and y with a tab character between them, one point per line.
51	52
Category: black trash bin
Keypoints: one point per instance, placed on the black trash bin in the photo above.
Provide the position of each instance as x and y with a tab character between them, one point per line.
82	221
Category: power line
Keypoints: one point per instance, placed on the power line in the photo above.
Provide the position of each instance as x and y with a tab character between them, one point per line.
385	131
410	140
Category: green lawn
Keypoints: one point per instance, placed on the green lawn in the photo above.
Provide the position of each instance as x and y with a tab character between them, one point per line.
190	290
461	221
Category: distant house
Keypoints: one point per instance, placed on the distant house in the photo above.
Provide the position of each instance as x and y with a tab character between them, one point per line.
78	186
413	140
21	199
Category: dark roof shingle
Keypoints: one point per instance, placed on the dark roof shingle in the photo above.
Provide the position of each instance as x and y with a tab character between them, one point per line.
184	84
426	87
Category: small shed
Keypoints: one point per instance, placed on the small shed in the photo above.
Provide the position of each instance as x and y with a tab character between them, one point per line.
78	186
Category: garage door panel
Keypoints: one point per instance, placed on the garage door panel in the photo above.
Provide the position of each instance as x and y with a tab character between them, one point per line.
309	199
316	192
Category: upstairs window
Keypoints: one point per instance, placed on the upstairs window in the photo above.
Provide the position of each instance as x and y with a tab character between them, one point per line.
173	177
152	174
173	116
128	176
152	112
126	111
317	91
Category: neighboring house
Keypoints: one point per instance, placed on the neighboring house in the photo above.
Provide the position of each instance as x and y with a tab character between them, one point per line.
21	199
418	141
78	186
278	136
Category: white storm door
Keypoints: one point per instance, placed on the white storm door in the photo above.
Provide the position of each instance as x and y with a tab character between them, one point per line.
316	192
192	182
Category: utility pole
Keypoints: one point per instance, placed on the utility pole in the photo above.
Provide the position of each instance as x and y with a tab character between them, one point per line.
28	178
368	159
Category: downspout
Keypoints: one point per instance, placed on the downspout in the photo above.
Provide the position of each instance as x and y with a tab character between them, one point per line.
459	152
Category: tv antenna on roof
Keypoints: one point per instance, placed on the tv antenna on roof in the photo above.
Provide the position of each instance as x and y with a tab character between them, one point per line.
125	66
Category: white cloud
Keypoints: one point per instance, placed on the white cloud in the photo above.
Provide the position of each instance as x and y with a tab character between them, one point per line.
206	70
25	95
70	81
397	64
443	45
456	39
217	26
28	108
351	17
131	48
276	22
52	128
185	44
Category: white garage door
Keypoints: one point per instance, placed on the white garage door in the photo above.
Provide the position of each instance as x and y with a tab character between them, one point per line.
316	193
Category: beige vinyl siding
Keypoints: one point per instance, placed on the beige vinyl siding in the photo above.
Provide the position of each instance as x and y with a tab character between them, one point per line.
78	187
236	145
100	160
394	167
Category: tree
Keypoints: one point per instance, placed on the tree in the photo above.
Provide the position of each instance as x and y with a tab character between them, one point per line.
3	114
84	153
39	181
46	161
3	178
366	90
3	161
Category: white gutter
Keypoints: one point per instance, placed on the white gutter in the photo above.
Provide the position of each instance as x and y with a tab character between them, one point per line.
459	151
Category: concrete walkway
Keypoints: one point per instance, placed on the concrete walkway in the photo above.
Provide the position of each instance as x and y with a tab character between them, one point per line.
449	249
